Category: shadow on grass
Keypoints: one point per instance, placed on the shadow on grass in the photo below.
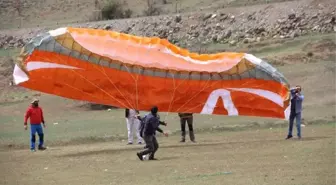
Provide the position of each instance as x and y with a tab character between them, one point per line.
224	144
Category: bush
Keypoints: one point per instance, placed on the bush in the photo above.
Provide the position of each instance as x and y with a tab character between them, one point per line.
115	11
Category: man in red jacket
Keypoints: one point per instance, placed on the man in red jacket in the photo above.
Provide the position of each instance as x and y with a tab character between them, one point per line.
35	114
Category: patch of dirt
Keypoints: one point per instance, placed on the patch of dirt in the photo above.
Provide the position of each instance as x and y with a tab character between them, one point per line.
324	46
6	70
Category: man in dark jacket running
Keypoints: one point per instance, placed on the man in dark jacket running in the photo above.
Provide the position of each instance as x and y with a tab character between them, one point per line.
151	125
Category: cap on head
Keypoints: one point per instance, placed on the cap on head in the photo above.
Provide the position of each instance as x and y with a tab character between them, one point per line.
35	101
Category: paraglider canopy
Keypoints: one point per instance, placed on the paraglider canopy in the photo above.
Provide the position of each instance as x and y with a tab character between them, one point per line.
128	71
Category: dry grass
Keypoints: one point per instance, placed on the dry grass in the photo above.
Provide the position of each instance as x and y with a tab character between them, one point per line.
247	157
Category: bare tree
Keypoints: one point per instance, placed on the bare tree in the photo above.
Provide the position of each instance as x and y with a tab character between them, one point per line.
152	8
177	3
18	7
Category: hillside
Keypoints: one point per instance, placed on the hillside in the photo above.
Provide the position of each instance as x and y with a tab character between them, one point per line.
33	13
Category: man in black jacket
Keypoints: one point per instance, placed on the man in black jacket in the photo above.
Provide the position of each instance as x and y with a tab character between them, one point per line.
151	125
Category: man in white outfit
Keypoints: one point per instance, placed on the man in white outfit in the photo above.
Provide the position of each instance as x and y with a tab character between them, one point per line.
132	121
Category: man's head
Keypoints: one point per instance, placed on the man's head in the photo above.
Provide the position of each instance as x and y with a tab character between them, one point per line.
154	110
35	102
298	88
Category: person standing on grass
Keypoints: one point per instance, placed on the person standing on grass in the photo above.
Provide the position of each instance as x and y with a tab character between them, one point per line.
295	111
151	124
132	121
35	114
186	118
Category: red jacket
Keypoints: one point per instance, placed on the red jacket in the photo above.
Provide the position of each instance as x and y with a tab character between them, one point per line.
35	114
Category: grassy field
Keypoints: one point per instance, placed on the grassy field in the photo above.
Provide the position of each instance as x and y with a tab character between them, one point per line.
259	156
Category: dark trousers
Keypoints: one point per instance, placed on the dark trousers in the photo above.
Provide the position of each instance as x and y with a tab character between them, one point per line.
151	146
189	121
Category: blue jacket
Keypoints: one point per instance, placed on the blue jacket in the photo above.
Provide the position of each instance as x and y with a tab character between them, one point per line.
299	100
151	125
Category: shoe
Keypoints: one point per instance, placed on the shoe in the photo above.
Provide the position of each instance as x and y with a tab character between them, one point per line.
140	143
42	148
288	137
129	143
182	141
32	150
193	141
140	156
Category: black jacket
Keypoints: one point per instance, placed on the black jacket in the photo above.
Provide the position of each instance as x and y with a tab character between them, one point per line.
185	115
151	124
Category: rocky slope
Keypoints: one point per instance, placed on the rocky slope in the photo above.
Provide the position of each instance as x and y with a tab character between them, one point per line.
241	24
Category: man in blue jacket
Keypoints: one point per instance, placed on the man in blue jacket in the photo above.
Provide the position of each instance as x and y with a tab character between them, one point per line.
295	112
151	125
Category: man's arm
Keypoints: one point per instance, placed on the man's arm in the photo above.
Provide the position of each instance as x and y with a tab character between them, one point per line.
139	118
299	96
162	123
42	116
27	116
159	130
292	91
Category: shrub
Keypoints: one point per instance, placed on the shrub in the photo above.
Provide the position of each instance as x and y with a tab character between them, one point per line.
310	54
115	10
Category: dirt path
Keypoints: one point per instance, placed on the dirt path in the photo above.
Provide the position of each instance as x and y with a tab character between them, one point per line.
247	157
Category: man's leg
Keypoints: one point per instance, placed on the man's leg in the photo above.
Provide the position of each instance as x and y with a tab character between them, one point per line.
191	130
137	128
298	124
290	129
32	137
156	147
149	149
41	137
183	132
129	130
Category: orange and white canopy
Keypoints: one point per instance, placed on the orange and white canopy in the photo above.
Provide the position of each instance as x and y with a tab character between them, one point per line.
128	71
